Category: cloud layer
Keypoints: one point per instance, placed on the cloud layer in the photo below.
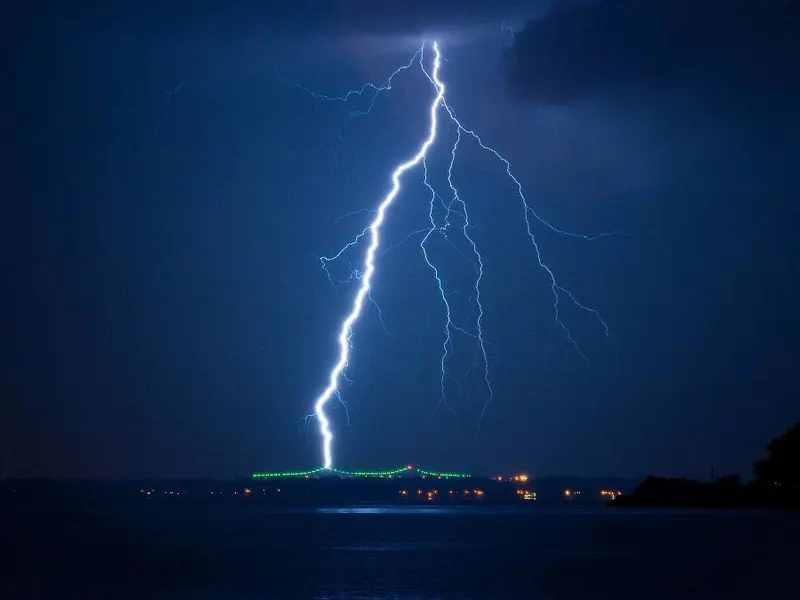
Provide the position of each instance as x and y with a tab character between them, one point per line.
299	17
577	50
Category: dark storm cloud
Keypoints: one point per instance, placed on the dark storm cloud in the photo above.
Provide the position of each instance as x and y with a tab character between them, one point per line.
580	49
306	16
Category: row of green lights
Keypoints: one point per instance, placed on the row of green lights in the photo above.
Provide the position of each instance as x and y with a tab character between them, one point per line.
389	473
371	473
444	475
287	474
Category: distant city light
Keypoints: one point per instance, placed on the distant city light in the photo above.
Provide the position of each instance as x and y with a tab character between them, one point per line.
611	493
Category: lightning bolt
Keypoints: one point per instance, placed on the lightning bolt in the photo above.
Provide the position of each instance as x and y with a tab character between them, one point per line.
454	207
479	259
373	229
449	326
374	90
557	289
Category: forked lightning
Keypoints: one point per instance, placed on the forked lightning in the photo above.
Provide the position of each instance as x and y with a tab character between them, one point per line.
453	204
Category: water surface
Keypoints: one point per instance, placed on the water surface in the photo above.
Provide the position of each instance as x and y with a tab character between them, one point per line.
250	552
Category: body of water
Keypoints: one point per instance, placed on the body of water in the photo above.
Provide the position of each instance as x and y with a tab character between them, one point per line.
246	552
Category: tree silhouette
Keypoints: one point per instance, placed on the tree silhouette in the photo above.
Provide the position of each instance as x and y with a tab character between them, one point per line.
781	467
776	483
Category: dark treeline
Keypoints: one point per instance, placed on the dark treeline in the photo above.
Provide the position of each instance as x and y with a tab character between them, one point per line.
776	483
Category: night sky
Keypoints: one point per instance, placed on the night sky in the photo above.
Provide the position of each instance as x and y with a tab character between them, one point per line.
166	194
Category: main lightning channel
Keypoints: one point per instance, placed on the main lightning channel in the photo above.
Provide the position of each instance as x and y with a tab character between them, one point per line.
346	331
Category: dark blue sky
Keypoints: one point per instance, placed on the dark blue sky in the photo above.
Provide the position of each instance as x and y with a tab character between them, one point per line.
165	312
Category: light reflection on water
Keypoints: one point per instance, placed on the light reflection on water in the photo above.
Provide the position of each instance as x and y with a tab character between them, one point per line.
394	547
420	510
386	596
388	510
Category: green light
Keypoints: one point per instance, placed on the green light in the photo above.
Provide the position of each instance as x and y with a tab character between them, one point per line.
444	475
365	474
390	473
287	474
